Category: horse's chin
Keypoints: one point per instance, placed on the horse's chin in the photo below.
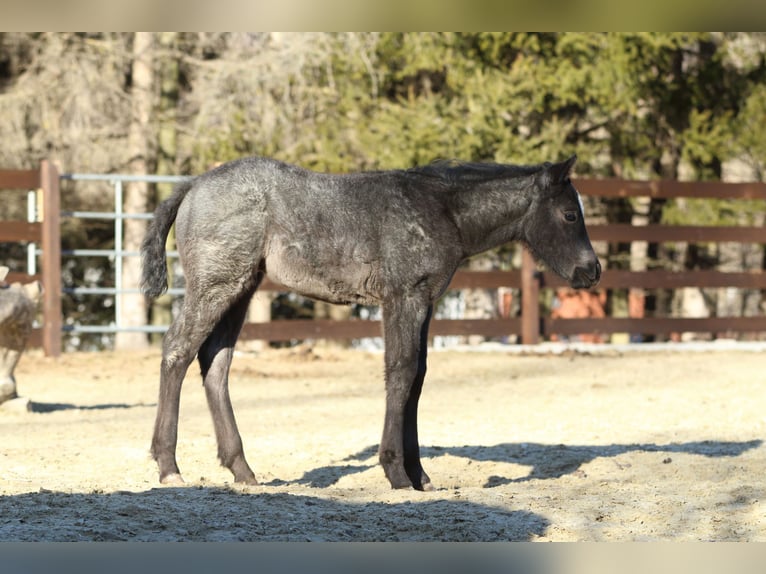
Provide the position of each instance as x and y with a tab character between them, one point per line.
577	283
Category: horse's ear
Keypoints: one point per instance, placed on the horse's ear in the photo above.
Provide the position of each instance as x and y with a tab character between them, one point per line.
560	171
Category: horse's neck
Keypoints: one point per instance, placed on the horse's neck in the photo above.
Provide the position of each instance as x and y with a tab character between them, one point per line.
490	215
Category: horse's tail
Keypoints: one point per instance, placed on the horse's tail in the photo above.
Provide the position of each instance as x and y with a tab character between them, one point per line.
154	266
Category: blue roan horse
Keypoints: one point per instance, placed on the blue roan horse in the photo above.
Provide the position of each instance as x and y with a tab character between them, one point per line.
393	238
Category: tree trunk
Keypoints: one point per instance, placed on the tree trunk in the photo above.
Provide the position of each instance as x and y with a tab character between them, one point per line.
133	310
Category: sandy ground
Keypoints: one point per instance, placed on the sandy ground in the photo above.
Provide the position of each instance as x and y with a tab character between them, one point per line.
658	446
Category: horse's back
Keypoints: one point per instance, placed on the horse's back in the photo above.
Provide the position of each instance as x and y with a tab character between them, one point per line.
228	193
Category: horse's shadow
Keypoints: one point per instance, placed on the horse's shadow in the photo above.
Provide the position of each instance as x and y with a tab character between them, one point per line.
36	407
546	461
226	515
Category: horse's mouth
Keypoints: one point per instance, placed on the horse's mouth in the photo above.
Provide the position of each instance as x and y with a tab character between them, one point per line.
586	277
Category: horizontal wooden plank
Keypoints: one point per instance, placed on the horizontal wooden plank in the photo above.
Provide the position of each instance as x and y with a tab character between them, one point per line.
468	279
653	325
19	179
14	231
356	329
16	277
287	330
486	327
624	232
670	189
662	279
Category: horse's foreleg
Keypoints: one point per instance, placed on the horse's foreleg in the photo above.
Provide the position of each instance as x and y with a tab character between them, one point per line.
215	359
405	324
412	465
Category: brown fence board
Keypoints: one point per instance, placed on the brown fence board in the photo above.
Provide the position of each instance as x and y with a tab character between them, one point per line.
486	327
14	231
653	325
465	279
626	233
16	277
287	330
662	279
19	179
670	189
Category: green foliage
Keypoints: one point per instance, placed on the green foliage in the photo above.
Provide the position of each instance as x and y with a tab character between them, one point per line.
633	105
749	135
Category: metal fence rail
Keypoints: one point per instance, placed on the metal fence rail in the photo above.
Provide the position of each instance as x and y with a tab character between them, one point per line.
118	253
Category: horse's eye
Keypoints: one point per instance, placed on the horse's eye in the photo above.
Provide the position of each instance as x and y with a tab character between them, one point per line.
570	216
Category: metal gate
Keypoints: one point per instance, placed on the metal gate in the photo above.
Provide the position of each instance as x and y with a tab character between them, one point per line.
117	255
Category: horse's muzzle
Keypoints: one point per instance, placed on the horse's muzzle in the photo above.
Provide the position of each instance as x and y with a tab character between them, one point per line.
586	277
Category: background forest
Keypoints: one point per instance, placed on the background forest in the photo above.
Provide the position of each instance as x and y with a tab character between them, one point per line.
688	106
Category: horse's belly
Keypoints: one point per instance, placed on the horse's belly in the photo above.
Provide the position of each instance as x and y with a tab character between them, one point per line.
333	281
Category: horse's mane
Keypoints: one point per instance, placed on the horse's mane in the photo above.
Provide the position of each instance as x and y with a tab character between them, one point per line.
452	172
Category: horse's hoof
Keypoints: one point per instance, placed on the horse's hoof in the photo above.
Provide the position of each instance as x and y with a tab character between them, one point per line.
173	478
402	485
249	481
428	487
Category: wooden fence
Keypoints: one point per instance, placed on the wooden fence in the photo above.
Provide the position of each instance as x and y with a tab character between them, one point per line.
45	232
664	279
530	325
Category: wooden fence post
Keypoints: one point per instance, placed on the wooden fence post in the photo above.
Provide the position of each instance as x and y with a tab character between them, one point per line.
530	300
51	259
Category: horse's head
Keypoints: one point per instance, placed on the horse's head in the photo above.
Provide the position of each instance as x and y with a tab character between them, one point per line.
554	228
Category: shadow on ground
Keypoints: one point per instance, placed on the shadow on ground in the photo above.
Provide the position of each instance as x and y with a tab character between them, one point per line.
545	460
219	514
54	407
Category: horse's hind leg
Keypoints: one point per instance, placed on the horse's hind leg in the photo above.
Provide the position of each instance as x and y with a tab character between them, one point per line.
182	341
215	359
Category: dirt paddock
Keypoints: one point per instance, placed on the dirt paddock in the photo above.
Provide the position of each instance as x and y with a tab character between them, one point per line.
653	446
